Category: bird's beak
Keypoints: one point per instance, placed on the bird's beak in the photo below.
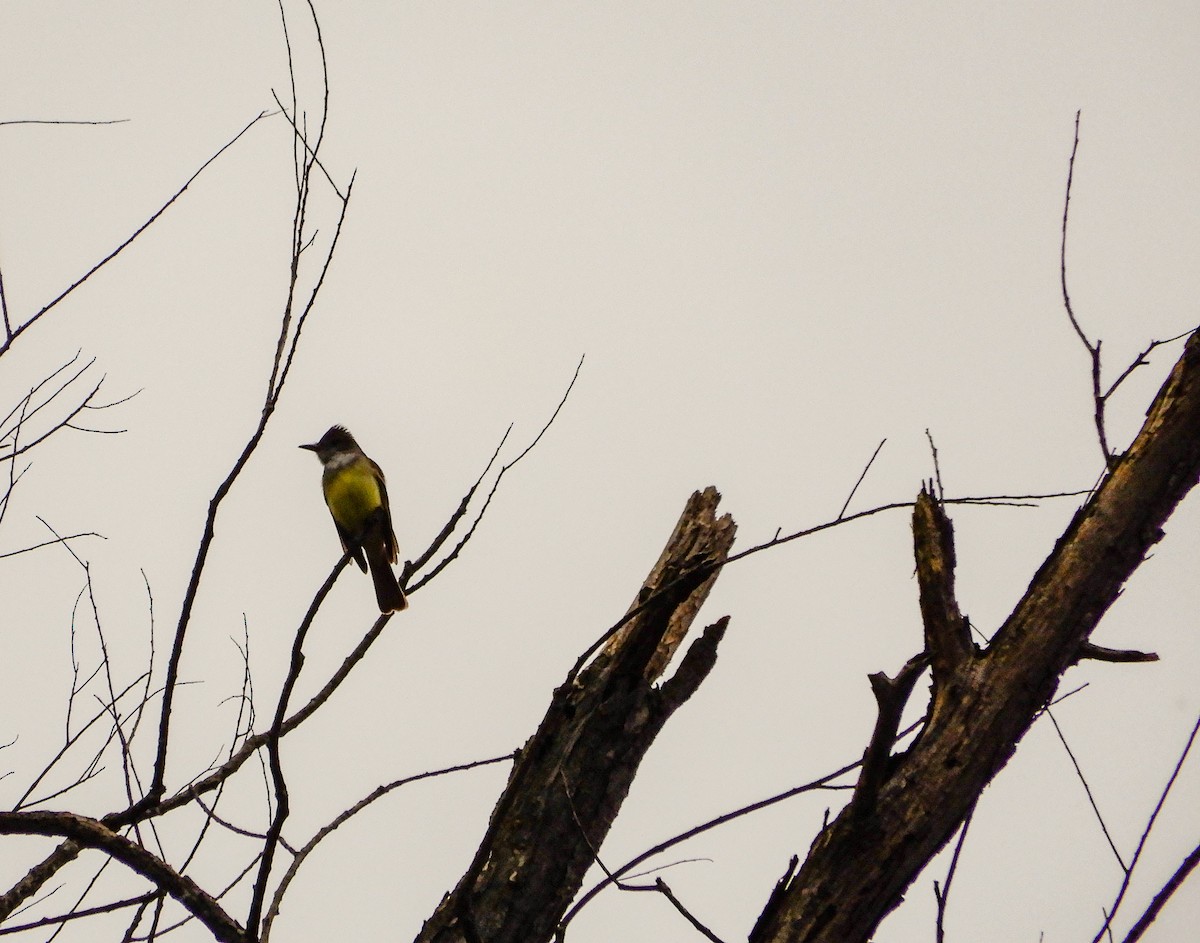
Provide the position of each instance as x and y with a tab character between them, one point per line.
311	448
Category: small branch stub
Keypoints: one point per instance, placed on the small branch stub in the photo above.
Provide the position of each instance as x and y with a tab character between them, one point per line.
891	694
1095	652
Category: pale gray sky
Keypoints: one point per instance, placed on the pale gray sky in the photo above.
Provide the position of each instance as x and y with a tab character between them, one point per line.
779	232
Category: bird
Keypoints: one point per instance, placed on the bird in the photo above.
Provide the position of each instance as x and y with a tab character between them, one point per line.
356	494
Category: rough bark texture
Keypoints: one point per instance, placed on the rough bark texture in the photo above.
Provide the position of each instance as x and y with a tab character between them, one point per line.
84	832
947	637
572	776
983	702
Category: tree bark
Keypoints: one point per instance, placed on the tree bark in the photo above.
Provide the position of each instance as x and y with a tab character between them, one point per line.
84	832
983	701
571	778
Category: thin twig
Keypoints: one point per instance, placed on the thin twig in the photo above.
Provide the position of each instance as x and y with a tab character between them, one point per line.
436	544
325	831
61	121
51	543
1062	255
661	886
253	744
1165	894
776	541
4	308
1100	396
937	469
303	141
70	741
278	781
866	468
1137	854
1092	349
33	319
504	469
942	894
78	914
1087	789
27	409
281	367
825	782
1141	361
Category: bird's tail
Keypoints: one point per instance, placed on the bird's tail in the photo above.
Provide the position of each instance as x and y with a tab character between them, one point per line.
388	593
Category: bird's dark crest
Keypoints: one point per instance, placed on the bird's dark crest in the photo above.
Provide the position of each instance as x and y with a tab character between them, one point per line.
337	435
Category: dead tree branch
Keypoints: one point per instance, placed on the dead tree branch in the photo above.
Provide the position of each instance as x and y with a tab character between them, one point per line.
90	833
1165	894
571	778
947	636
859	867
12	333
1100	396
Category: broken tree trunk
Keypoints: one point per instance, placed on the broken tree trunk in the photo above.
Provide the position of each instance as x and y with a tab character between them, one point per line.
908	806
570	779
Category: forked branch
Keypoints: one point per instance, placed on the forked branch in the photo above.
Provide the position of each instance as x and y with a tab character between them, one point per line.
573	775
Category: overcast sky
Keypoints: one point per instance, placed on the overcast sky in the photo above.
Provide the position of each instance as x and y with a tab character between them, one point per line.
779	232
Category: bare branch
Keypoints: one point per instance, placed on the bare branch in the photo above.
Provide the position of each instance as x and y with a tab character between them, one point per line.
866	468
1141	361
284	354
71	740
1093	349
776	899
971	736
1090	650
540	839
453	554
91	833
661	886
1024	500
1165	894
1100	396
1088	790
78	914
942	894
282	805
937	469
302	140
435	545
4	308
1137	854
150	803
826	782
61	121
220	895
36	316
325	831
51	543
36	400
891	694
252	744
283	367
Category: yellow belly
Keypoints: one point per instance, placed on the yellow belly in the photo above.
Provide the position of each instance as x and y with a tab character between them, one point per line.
352	494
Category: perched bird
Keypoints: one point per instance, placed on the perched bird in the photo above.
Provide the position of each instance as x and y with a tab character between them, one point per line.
357	498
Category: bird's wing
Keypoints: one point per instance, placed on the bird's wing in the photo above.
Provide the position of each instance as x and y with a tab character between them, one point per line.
389	533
